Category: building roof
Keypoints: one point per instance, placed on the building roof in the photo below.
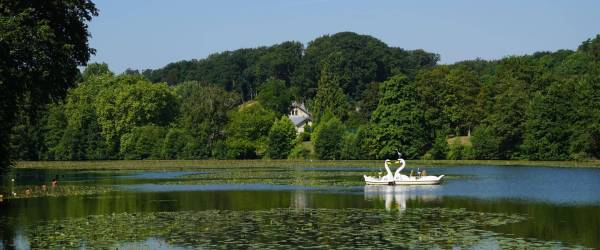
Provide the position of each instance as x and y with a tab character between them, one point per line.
301	107
298	120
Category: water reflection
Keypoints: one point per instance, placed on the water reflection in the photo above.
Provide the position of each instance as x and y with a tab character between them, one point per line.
397	196
299	200
558	209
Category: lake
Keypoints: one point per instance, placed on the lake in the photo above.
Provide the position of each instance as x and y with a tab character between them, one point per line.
324	206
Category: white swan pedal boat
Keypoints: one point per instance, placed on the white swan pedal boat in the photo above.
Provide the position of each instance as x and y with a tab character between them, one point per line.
399	179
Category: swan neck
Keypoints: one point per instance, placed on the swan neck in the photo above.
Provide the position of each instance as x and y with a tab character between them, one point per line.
387	169
402	164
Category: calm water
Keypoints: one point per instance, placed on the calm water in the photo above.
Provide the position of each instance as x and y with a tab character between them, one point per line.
272	207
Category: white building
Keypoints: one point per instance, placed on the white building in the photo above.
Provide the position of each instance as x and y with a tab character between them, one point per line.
300	116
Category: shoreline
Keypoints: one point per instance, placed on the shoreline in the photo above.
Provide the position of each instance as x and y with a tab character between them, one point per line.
193	164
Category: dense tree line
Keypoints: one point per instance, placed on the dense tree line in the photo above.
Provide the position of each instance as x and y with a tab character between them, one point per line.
368	100
41	45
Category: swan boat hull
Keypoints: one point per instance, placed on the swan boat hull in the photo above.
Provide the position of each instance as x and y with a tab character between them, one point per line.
426	180
414	180
385	180
400	179
380	182
418	182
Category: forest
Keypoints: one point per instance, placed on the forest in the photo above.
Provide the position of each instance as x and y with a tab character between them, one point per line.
367	99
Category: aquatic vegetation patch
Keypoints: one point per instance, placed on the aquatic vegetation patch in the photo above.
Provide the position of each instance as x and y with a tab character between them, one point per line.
289	176
286	228
283	176
202	164
24	192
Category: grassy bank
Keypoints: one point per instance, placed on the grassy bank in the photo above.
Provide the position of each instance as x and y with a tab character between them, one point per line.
190	164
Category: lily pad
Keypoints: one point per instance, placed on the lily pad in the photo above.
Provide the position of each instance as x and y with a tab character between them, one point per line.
286	228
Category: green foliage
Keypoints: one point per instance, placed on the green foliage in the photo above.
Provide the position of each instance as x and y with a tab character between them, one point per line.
55	126
366	143
542	106
351	149
459	151
96	69
486	145
300	152
398	122
440	148
591	47
368	102
143	142
280	138
279	62
241	71
304	136
357	60
274	96
330	97
132	102
27	137
328	139
203	114
178	145
451	98
506	115
247	131
41	45
546	134
80	137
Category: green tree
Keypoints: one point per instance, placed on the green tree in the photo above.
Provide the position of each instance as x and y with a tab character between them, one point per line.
96	69
203	114
54	128
178	145
440	148
398	122
41	45
351	149
280	138
27	136
328	139
274	95
368	102
145	142
591	47
133	102
330	96
450	95
546	134
360	60
506	114
586	130
81	137
486	144
247	131
279	61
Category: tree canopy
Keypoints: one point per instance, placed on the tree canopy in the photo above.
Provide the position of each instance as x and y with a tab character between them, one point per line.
367	100
41	45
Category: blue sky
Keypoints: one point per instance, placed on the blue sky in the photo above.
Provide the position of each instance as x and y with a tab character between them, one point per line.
143	34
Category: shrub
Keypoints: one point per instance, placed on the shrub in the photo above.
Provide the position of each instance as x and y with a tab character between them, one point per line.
280	138
486	145
144	142
439	150
328	139
299	152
